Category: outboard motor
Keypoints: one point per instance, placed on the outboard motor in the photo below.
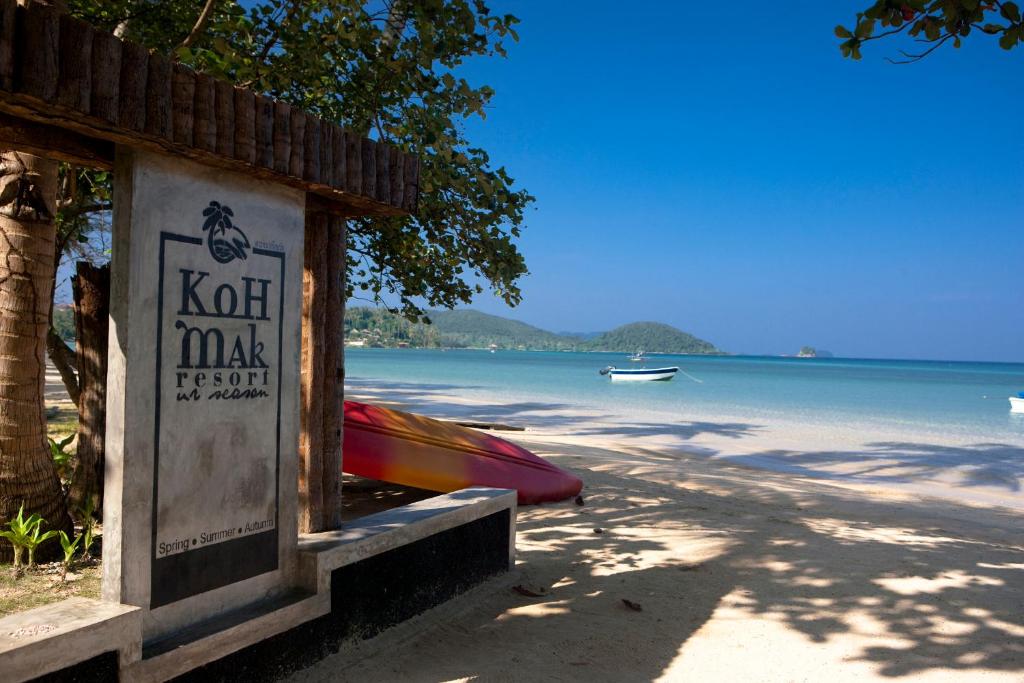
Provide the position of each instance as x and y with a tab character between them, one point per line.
605	371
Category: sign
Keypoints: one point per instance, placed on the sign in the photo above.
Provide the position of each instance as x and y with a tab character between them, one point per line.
206	305
218	409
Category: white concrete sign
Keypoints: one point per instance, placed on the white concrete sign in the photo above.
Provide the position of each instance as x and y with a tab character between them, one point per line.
207	300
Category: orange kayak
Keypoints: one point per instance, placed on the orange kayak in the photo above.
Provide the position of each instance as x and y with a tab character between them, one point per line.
412	450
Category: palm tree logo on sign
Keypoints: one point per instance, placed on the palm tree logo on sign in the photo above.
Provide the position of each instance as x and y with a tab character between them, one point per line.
225	240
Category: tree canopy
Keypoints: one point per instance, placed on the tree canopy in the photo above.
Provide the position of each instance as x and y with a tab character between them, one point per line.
932	24
388	70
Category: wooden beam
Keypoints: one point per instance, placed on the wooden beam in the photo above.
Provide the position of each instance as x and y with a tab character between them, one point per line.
311	446
333	389
64	73
322	375
55	143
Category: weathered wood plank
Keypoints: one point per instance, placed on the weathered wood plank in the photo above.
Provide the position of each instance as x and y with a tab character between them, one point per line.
264	132
183	96
37	49
354	163
311	151
8	19
383	193
74	84
327	153
312	369
224	113
159	86
338	151
282	137
369	155
204	134
55	143
397	179
106	76
245	126
131	108
296	134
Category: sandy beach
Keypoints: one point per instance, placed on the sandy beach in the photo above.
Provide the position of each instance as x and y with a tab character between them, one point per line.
848	569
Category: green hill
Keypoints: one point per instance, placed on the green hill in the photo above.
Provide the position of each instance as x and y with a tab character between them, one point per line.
650	337
467	328
476	329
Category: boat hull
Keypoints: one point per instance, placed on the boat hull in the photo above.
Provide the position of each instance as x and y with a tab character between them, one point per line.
412	450
1016	404
652	375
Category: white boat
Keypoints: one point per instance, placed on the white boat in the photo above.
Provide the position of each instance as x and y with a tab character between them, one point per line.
639	374
638	357
1017	403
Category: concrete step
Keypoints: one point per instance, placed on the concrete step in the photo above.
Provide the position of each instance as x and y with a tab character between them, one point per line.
210	640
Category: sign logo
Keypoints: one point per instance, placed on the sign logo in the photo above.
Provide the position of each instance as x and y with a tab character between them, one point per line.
225	240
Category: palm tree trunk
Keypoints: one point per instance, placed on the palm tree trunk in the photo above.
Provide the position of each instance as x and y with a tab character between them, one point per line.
28	190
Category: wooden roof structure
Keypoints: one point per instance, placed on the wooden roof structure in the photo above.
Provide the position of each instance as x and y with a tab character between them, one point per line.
72	92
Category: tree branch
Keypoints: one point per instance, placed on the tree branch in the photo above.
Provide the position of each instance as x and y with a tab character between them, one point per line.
76	211
911	58
271	42
199	27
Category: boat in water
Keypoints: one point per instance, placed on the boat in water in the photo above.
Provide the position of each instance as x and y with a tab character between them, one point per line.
1017	403
639	374
638	357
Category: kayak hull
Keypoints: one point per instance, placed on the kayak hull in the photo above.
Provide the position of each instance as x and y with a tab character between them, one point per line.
412	450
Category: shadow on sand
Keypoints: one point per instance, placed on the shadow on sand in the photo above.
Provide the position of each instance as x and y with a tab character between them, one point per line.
985	464
908	587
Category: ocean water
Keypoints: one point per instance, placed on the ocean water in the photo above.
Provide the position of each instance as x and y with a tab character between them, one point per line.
842	402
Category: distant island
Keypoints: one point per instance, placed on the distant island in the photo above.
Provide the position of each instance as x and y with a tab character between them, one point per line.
811	352
375	327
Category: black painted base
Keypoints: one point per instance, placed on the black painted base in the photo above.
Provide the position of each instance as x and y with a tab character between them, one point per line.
377	593
100	669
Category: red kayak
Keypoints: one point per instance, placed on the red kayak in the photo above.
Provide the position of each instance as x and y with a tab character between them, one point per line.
412	450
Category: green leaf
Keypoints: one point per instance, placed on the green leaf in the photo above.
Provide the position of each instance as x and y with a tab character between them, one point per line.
1010	11
865	28
842	32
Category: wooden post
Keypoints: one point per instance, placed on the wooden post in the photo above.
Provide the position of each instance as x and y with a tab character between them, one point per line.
91	288
323	310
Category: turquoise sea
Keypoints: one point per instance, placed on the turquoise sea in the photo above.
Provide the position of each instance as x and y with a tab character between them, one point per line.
927	428
956	401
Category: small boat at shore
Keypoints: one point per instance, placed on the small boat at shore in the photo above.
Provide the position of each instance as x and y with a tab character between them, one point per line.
1017	403
638	357
639	374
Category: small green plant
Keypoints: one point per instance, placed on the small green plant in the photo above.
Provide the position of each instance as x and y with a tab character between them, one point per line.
85	512
70	548
17	534
61	458
26	534
36	538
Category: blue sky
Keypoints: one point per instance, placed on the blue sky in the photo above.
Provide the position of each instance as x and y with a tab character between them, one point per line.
719	167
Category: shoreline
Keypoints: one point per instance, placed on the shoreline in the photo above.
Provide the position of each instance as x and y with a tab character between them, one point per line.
892	465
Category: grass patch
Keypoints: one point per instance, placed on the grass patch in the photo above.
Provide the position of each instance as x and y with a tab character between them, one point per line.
61	418
42	586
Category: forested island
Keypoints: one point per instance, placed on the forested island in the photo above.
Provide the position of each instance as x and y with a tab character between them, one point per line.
375	327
